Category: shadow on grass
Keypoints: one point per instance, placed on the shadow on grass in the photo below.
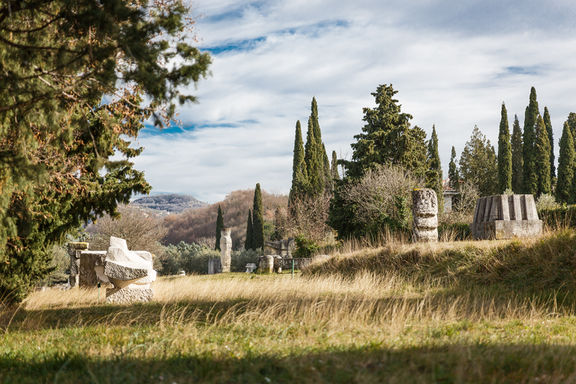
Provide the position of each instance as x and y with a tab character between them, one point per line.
458	363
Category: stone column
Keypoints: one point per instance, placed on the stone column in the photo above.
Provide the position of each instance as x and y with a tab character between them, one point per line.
266	264
425	212
226	249
74	250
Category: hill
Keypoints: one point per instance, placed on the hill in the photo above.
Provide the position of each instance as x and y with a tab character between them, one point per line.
200	224
165	204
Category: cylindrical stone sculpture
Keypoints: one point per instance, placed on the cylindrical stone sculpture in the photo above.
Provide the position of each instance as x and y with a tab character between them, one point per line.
425	212
74	249
266	264
226	249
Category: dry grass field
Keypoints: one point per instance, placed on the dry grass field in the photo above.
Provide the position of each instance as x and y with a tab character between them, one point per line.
490	312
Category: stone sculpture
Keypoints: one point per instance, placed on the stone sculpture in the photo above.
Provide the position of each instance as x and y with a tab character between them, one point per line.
225	249
130	272
505	217
266	264
74	251
425	213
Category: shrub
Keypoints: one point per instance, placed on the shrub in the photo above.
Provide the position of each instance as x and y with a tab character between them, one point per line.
561	217
191	258
454	231
305	247
241	258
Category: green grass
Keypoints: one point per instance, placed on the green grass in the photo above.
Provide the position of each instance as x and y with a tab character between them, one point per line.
450	313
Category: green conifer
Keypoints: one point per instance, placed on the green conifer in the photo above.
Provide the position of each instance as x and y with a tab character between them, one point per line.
434	172
249	242
314	162
299	174
453	173
566	164
548	123
504	153
530	118
219	227
258	220
517	158
542	158
334	167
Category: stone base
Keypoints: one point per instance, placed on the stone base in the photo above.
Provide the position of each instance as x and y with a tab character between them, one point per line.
128	295
507	229
425	235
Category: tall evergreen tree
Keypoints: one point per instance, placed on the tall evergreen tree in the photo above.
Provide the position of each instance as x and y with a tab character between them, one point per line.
299	174
314	162
504	153
572	125
517	158
258	220
279	225
478	163
334	167
453	173
542	158
548	123
249	242
566	165
530	118
434	172
219	227
387	138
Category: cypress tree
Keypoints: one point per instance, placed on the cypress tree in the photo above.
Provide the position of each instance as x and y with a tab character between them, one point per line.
572	125
434	172
334	167
504	153
548	124
542	158
279	225
258	220
219	226
248	243
314	162
530	118
566	164
453	173
517	158
299	174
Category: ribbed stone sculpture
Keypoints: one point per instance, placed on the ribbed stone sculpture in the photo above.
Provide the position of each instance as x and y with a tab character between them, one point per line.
225	249
506	217
130	272
425	214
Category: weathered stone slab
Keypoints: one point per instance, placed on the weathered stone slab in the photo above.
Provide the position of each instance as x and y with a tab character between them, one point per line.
123	272
89	260
425	215
128	295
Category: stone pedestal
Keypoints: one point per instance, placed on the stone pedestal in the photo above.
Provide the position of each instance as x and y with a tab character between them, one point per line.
74	250
128	295
506	217
425	214
266	264
90	261
225	249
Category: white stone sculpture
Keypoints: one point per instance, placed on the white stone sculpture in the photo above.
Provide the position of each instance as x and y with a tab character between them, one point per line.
225	249
131	273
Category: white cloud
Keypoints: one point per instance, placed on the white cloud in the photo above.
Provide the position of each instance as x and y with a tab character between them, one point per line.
448	71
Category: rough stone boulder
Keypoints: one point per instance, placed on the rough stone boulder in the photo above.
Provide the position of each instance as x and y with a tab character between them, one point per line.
131	273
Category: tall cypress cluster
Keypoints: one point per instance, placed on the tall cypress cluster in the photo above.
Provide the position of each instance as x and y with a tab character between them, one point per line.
504	153
548	124
299	172
542	158
566	162
219	227
517	157
434	172
530	118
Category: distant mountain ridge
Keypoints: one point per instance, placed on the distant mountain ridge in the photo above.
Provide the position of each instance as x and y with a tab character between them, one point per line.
167	203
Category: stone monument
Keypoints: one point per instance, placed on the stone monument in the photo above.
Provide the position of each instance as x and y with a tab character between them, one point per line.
425	213
74	251
506	217
266	264
130	272
91	262
225	249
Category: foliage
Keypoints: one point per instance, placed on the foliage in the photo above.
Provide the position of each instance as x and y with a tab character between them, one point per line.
457	231
299	171
191	258
219	227
434	171
529	140
74	75
195	224
560	217
280	225
334	167
305	247
243	257
550	131
542	158
566	164
257	220
478	164
141	232
517	157
248	243
387	139
504	153
453	173
546	201
379	201
309	218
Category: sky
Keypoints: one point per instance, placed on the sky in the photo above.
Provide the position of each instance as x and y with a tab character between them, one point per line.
453	64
